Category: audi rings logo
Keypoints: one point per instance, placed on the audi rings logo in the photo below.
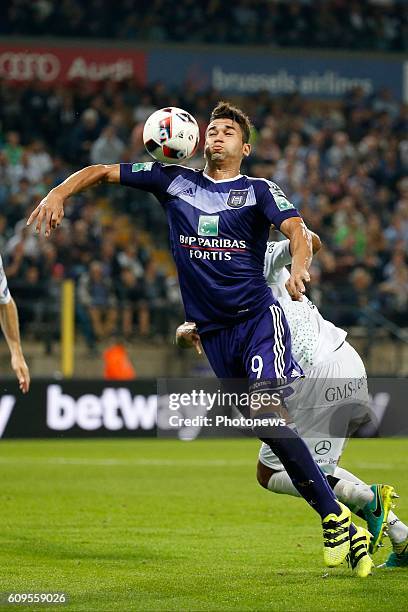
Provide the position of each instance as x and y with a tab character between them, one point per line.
323	447
28	66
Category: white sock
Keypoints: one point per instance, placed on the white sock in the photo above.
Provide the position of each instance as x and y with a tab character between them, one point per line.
340	472
281	483
397	530
347	492
353	494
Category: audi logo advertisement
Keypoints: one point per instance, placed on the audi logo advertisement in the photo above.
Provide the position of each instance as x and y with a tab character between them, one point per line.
53	64
28	66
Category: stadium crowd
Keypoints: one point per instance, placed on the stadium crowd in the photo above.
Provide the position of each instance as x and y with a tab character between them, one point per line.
344	166
374	24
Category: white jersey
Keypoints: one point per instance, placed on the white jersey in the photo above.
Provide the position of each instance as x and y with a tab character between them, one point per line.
5	296
313	338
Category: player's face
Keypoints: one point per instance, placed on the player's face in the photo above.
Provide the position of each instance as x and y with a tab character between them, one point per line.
223	141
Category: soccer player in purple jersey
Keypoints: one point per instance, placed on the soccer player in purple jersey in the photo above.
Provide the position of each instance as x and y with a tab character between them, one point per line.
219	223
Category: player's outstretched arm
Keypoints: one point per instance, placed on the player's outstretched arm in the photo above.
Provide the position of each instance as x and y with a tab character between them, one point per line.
51	208
10	327
301	248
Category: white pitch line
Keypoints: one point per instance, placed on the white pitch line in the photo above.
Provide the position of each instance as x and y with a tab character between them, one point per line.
127	462
376	466
167	462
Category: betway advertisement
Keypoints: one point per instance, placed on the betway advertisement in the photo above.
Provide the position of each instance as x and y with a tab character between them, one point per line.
20	64
78	408
190	408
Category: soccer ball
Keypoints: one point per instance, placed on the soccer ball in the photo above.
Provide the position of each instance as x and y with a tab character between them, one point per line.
171	134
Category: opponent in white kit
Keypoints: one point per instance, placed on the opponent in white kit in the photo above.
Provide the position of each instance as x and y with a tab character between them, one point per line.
335	372
333	395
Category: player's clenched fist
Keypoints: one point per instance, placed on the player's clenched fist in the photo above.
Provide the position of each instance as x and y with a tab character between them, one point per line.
50	210
187	336
295	284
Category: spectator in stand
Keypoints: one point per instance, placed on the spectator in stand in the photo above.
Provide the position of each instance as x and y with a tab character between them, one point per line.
83	136
97	297
3	232
31	295
360	296
155	293
394	292
132	258
341	150
39	161
134	307
13	150
108	148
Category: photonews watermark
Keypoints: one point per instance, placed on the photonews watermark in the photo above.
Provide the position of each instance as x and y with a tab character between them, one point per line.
220	420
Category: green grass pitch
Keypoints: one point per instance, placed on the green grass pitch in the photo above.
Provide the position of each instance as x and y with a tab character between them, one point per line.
164	525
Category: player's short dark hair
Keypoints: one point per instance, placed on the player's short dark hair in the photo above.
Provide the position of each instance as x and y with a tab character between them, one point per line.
225	110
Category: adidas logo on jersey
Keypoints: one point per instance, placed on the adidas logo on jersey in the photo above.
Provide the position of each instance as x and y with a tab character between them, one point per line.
188	192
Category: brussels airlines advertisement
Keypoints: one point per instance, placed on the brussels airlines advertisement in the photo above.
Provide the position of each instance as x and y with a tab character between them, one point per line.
312	75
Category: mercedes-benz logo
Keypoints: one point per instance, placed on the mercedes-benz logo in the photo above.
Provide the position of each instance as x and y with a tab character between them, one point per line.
323	447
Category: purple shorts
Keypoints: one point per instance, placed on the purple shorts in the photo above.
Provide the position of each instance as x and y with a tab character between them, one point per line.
259	348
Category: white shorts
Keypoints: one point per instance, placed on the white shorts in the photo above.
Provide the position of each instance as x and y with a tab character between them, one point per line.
329	403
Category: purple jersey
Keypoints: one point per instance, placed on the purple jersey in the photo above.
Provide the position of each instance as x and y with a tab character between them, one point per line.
218	234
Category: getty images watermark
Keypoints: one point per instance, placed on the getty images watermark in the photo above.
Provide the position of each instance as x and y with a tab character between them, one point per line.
224	399
188	403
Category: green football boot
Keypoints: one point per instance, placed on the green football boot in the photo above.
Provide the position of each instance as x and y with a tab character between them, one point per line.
399	556
376	513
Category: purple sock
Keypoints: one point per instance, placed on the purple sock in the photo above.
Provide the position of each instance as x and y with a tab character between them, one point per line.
305	474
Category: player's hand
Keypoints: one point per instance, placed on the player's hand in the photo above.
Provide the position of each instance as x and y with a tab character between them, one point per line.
296	284
187	336
50	210
21	371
